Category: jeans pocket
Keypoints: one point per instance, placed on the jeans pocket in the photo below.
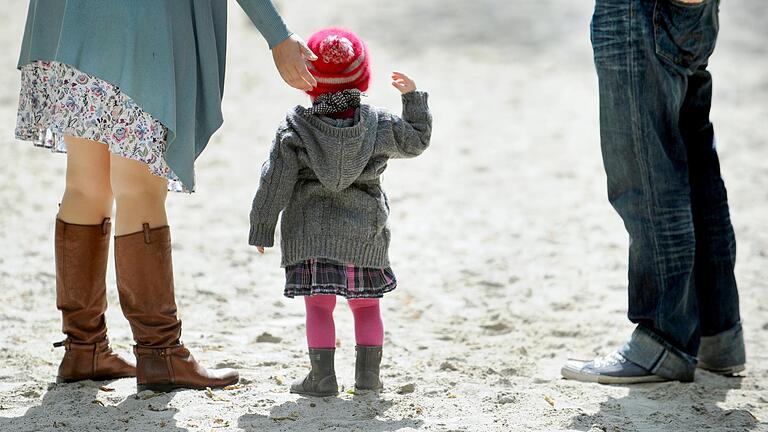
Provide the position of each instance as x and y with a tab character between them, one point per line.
685	33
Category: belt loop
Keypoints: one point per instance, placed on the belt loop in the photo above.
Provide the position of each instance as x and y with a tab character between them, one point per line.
105	226
147	240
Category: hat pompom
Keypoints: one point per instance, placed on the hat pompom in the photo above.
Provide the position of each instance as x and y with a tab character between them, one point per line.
336	49
342	61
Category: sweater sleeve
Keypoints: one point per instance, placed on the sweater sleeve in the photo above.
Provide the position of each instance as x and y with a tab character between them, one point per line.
278	177
267	20
412	132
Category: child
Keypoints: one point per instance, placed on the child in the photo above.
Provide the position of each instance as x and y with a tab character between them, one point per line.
323	173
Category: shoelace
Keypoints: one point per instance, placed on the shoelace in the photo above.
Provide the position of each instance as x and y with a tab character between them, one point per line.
611	359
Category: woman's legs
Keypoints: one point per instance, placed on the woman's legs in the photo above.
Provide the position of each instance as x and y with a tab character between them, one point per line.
88	196
321	330
139	194
144	271
369	327
82	247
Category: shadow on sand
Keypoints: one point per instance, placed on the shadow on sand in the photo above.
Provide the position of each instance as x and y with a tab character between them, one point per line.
664	406
329	414
82	406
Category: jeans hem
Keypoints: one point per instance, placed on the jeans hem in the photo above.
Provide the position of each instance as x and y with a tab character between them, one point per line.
724	349
658	356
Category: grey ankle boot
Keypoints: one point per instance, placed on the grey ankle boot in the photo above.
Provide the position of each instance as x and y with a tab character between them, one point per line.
367	368
321	380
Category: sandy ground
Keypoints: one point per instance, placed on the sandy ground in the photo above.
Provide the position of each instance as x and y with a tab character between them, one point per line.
508	255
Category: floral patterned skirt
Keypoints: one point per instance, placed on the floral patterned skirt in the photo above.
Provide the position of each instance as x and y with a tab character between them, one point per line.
56	100
322	276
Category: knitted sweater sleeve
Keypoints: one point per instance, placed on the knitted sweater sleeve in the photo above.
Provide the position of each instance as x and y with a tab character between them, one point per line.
278	177
265	17
412	132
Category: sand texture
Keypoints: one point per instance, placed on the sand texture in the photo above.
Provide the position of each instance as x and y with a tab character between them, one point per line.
508	255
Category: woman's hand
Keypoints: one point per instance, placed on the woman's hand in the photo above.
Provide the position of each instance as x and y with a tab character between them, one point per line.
260	249
402	82
290	58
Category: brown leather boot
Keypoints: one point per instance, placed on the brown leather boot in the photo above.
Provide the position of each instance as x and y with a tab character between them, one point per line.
81	296
145	285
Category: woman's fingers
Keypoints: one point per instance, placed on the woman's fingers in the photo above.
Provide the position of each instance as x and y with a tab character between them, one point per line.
290	58
294	79
308	53
306	76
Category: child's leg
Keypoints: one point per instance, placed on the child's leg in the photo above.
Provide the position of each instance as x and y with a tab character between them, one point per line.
321	331
321	338
369	328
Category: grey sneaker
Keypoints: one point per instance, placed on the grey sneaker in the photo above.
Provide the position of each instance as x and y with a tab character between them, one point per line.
321	380
613	368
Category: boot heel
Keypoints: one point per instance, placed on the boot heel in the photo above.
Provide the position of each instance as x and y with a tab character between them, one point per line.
157	388
368	381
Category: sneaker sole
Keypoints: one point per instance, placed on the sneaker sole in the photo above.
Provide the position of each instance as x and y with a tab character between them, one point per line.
606	379
728	371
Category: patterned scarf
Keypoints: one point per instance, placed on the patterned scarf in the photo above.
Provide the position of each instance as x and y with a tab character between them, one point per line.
331	103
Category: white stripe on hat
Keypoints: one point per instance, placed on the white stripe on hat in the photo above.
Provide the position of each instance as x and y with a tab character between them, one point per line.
355	64
340	80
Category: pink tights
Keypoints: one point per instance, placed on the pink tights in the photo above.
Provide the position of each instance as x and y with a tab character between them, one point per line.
321	331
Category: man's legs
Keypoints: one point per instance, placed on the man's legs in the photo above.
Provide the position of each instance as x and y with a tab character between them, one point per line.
644	55
722	341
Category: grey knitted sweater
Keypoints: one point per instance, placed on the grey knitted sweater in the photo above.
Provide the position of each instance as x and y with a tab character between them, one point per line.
324	176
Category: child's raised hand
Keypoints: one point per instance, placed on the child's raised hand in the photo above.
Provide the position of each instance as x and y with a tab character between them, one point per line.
260	249
402	82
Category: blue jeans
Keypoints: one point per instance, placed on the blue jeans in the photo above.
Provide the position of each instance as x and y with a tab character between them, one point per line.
664	179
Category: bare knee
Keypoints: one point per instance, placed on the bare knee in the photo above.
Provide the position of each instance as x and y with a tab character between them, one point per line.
140	196
131	180
88	170
140	193
88	194
93	191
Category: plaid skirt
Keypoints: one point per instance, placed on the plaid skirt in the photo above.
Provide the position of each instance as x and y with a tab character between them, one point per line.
323	276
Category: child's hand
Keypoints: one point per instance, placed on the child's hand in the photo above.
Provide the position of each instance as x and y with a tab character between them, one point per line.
260	249
402	82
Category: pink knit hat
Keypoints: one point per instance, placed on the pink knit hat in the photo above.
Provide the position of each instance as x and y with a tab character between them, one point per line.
343	61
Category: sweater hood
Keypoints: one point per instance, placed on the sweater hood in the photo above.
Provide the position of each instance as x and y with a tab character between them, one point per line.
337	155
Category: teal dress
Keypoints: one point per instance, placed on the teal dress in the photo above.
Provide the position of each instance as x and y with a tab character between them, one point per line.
167	55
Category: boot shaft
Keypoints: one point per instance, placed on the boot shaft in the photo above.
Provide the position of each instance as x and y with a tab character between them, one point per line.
322	361
368	367
144	271
321	380
81	253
